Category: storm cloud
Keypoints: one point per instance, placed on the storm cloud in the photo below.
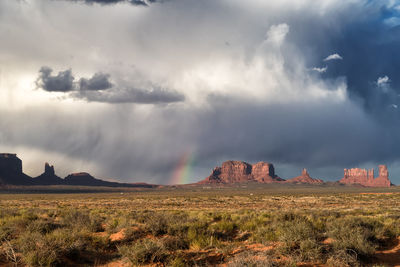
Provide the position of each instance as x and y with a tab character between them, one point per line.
62	82
99	81
297	83
99	88
109	2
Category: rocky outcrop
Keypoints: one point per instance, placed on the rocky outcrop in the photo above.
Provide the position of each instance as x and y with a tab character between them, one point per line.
242	172
48	177
11	171
305	178
366	177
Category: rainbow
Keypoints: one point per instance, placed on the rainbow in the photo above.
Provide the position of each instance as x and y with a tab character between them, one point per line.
181	173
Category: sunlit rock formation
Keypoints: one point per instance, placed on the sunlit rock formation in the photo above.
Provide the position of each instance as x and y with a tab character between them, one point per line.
242	172
304	178
366	177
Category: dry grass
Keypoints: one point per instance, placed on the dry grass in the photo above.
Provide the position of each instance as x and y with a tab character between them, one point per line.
202	227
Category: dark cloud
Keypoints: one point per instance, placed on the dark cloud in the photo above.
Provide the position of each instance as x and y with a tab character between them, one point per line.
134	145
99	88
368	46
131	95
274	96
62	82
109	2
99	81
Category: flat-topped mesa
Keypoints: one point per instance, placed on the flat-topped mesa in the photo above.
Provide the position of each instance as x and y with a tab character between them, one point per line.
304	178
366	177
11	170
10	163
241	172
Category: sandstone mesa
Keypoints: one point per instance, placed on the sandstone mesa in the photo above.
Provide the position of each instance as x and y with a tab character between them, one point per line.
231	172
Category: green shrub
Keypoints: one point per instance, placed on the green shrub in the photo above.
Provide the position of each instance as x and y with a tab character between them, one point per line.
82	220
300	238
157	224
360	235
199	236
344	258
174	243
144	252
223	229
42	226
177	262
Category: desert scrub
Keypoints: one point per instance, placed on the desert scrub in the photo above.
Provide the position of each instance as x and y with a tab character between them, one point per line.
300	238
248	259
224	229
81	219
12	226
145	251
45	250
344	258
173	243
200	237
42	226
358	235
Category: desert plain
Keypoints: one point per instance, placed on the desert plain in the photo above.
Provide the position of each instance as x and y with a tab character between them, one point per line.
243	225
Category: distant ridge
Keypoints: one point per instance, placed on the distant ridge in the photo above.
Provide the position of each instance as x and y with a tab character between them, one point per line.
85	179
231	172
11	174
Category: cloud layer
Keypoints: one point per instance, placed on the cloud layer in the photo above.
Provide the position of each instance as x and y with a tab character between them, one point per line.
297	83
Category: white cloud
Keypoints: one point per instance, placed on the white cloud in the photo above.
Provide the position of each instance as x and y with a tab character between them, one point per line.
383	80
392	21
277	33
335	56
320	70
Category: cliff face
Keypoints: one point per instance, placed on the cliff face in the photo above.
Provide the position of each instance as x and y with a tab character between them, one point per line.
11	170
241	172
366	177
305	178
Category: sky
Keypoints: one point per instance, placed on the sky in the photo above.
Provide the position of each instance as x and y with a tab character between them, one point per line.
162	91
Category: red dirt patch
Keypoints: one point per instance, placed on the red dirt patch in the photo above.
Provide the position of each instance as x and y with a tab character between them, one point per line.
259	247
118	236
371	193
389	257
118	263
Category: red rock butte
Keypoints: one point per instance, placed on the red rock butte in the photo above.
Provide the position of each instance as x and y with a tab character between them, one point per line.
304	178
366	177
241	172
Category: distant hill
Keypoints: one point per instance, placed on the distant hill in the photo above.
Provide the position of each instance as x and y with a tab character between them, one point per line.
11	174
84	178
